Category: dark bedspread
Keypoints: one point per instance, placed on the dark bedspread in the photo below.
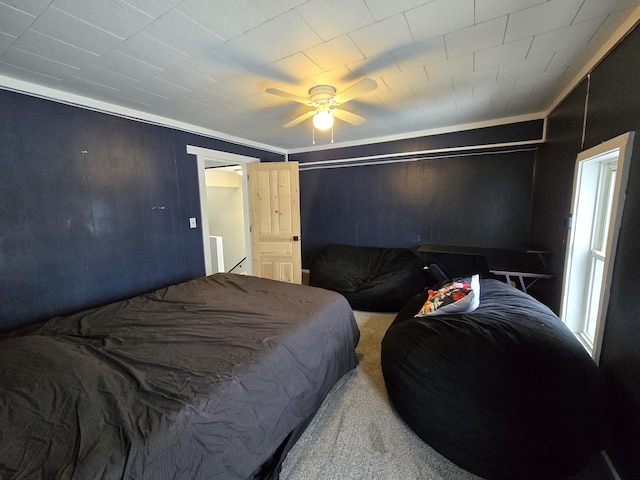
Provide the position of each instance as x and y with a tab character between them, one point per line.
205	379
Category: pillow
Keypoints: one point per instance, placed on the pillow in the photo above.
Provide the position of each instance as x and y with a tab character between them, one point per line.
457	296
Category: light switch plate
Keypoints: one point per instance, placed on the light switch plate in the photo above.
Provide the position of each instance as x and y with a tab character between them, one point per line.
192	222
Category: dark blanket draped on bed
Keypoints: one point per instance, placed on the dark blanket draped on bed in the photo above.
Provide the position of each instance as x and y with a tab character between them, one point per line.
205	379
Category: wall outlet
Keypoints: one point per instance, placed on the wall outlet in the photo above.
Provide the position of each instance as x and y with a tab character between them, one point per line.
192	222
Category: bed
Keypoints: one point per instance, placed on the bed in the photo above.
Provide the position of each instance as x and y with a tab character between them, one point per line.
212	378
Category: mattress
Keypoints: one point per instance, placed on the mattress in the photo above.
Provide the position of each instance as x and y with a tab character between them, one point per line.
211	378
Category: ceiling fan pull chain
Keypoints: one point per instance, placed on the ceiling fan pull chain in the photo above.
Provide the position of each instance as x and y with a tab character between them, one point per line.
331	133
313	135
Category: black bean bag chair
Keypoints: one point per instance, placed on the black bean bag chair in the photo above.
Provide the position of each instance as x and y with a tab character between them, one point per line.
374	279
505	391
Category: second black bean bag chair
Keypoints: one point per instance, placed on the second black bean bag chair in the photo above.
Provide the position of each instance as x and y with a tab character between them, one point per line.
375	279
505	391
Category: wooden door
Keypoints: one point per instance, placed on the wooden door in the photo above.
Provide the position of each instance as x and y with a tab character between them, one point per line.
274	196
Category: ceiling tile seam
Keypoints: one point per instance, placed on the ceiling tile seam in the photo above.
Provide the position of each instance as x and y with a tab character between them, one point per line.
444	42
30	71
266	17
614	38
406	21
472	26
120	52
180	12
191	70
11	45
12	7
142	11
426	72
152	19
142	32
217	54
133	100
225	58
413	35
134	81
323	40
95	54
307	57
602	24
577	12
185	90
365	58
53	7
504	34
526	57
245	32
160	97
86	80
565	70
546	67
16	38
371	13
43	58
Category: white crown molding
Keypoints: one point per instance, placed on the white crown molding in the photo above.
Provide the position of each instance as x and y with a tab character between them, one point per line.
61	96
67	98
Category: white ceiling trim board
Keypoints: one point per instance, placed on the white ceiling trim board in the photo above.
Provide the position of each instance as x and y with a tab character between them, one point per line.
427	133
409	156
47	93
342	163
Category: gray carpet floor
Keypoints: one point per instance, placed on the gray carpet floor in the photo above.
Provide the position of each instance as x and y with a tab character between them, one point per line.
357	435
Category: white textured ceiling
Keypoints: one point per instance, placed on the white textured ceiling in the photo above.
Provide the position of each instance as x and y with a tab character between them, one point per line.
205	64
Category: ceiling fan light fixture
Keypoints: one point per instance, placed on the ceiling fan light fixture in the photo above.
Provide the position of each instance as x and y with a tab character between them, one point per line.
327	104
323	119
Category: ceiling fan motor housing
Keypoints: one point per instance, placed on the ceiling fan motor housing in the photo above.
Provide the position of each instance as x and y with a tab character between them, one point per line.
322	93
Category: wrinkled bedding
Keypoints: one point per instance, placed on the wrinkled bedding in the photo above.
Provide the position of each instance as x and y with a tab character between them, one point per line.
211	378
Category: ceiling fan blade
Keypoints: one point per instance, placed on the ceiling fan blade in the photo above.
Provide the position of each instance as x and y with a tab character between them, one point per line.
347	116
289	96
299	119
363	86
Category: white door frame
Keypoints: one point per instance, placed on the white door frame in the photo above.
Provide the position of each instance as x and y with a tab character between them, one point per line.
206	157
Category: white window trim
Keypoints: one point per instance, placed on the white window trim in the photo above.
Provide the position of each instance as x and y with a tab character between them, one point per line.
577	244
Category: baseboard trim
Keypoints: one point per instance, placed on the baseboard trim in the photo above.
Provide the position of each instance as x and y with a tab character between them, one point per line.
612	468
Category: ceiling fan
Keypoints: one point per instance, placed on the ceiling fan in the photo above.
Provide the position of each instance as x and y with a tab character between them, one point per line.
326	104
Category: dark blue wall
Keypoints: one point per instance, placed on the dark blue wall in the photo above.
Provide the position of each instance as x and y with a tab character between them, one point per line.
483	137
79	229
613	109
469	200
93	207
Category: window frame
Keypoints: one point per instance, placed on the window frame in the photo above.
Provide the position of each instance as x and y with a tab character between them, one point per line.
587	187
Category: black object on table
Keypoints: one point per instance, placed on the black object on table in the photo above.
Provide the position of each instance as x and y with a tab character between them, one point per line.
527	266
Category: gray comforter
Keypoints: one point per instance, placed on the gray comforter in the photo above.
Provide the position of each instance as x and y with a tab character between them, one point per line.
212	378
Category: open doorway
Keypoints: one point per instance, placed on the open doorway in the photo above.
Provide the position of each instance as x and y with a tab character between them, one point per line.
224	203
599	187
227	226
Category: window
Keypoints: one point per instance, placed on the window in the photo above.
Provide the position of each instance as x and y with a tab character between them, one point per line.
597	252
597	203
